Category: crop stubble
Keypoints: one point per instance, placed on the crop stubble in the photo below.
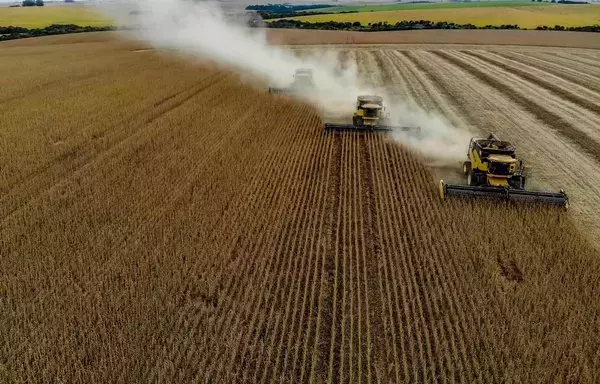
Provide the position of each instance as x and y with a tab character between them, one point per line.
210	244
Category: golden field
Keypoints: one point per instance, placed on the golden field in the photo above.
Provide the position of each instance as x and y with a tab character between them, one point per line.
525	17
40	17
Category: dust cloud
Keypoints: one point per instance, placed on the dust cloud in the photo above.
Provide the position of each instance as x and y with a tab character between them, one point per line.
205	30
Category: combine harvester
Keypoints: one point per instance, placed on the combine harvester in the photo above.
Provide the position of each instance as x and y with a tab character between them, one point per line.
492	170
369	116
303	82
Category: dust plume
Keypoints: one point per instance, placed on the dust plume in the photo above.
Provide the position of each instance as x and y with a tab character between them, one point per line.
203	29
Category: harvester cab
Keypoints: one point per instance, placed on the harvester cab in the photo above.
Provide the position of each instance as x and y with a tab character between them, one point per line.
370	115
303	77
303	81
493	170
370	112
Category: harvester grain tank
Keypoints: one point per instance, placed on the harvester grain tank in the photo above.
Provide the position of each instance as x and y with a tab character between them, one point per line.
370	116
303	81
492	170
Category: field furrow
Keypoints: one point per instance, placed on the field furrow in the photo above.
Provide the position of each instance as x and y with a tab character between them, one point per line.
572	111
590	63
581	134
560	71
578	96
568	61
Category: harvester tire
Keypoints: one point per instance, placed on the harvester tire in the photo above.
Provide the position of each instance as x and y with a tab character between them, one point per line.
467	167
518	182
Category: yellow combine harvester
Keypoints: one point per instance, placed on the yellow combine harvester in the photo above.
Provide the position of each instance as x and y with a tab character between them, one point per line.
370	115
492	170
303	81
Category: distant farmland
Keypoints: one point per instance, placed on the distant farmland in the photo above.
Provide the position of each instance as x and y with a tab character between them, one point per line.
160	221
39	17
524	16
409	6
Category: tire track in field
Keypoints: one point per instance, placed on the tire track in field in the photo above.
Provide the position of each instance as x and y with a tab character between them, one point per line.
335	350
345	345
129	120
22	195
556	57
551	119
583	97
352	249
322	359
560	71
578	116
377	336
430	98
547	154
590	54
589	63
364	324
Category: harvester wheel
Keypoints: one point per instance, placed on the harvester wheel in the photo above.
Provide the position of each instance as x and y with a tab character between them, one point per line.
442	190
470	178
467	167
518	182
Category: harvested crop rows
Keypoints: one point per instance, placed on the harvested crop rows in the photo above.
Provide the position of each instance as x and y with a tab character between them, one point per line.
553	120
170	242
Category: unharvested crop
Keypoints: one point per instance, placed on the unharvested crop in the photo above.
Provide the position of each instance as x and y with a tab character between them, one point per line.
524	16
161	222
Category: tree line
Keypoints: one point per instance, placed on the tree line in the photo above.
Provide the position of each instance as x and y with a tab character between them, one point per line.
285	8
33	3
12	33
411	25
267	15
